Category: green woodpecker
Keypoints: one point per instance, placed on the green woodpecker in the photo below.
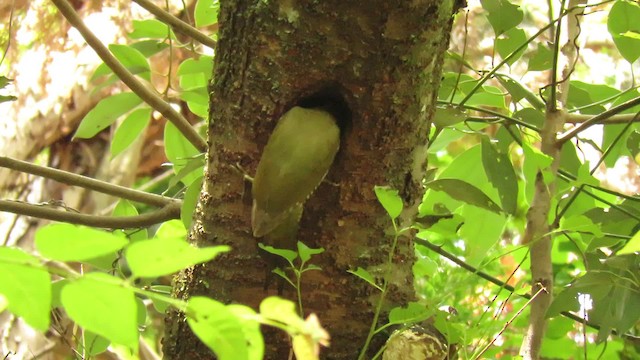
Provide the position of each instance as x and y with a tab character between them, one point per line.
297	157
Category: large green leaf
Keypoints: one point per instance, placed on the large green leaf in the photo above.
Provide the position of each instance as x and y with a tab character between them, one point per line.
129	130
465	192
190	201
26	286
480	231
180	151
104	305
501	174
509	42
150	29
130	57
502	15
632	245
520	91
411	314
126	208
163	256
67	242
106	113
218	328
542	59
206	12
624	28
195	73
251	330
390	200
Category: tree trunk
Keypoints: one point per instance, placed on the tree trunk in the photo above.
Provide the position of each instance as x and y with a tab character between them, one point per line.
383	60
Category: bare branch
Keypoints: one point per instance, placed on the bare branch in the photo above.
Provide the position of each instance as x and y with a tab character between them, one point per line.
145	93
615	119
598	118
177	24
86	182
170	211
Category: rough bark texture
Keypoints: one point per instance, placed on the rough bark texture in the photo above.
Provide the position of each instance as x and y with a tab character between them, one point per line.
383	59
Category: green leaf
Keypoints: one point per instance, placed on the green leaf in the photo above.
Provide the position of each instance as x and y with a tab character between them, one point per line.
6	98
502	15
501	174
92	344
129	130
188	172
67	242
25	286
559	327
465	192
413	313
584	94
633	143
150	29
190	201
509	42
202	67
454	332
130	58
614	140
178	150
481	230
290	255
104	305
390	200
171	229
623	19
197	100
105	113
251	330
366	276
126	208
580	223
206	12
632	245
542	59
281	310
488	96
519	91
306	252
4	81
530	116
159	303
448	116
218	328
149	48
534	161
163	256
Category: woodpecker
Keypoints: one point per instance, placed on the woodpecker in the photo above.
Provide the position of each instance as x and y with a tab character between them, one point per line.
297	157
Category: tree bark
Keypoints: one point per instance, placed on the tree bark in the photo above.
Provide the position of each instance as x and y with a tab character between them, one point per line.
383	60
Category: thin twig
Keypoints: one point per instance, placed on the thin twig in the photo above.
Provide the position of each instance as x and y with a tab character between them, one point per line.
615	119
598	118
85	182
169	212
506	325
